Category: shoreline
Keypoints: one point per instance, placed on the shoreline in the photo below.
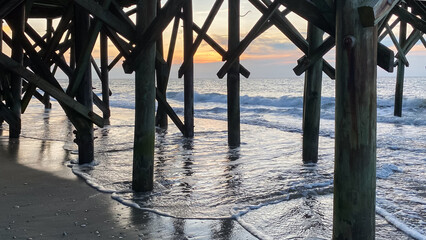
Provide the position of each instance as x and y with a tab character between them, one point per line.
42	199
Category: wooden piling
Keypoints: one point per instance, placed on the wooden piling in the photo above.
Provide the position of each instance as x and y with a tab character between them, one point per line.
355	136
84	134
143	151
189	72
105	75
233	76
49	32
312	99
399	88
18	20
161	119
1	71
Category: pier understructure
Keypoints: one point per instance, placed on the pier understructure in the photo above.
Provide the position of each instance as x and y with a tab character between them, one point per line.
135	27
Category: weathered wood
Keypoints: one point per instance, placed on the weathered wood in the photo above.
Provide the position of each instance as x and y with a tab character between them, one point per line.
6	6
162	73
85	54
18	21
143	150
406	16
400	72
1	75
401	53
207	23
422	39
101	105
60	30
355	134
312	98
169	110
55	92
58	60
104	76
232	56
115	61
49	32
285	26
233	75
82	80
393	24
411	41
101	13
7	115
189	73
306	62
152	33
311	12
372	15
161	117
218	48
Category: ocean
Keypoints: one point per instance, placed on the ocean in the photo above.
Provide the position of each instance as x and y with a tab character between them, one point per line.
263	185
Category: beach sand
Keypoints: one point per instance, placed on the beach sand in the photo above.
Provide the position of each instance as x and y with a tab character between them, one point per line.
42	199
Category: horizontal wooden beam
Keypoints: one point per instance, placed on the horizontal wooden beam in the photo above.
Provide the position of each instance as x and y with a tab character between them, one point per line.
44	85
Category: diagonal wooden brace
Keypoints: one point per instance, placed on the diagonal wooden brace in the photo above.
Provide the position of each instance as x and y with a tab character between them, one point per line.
44	85
248	39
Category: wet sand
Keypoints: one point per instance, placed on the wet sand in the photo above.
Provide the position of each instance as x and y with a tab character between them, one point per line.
42	199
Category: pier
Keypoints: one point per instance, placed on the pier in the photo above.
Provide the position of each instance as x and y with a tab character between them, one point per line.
135	27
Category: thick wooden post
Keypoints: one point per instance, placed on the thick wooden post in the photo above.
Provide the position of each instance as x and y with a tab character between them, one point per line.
399	88
143	152
161	119
84	135
356	113
189	72
233	76
49	32
18	19
312	99
105	74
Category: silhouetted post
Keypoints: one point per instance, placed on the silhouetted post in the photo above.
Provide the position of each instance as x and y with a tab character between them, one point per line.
161	119
312	99
233	76
143	151
18	20
105	74
399	88
84	135
1	72
49	32
355	141
189	73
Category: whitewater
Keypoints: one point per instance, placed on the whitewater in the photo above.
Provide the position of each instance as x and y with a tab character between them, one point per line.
263	184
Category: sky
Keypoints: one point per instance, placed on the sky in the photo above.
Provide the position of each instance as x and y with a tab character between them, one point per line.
271	55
